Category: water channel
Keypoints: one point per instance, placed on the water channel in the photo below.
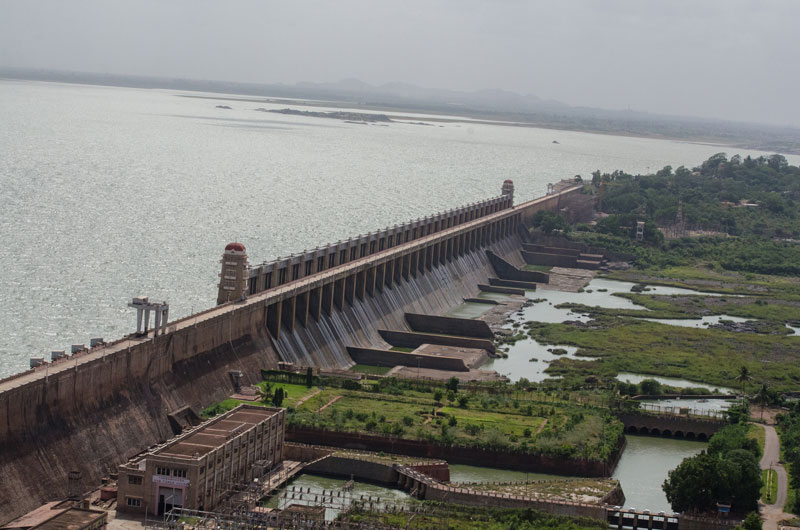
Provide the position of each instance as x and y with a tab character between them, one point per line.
642	469
529	359
647	460
335	497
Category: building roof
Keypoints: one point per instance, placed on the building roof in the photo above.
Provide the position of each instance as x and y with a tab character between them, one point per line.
72	519
238	247
216	432
55	515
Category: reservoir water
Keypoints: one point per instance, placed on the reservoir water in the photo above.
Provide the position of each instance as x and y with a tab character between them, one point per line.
109	193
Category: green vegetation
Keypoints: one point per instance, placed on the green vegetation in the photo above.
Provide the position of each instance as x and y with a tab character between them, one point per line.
369	369
711	356
695	306
435	515
291	394
789	430
757	433
769	490
496	417
751	205
727	472
751	522
588	490
538	268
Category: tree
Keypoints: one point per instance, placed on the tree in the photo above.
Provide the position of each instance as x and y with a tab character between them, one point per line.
437	396
763	398
452	384
751	522
728	472
690	486
309	377
264	393
743	377
277	398
650	387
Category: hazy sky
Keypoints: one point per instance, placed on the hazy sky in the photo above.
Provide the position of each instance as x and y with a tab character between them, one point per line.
731	59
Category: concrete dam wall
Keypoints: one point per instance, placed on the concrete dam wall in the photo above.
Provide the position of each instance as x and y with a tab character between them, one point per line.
93	411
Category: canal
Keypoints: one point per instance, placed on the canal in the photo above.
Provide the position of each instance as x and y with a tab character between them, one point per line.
645	464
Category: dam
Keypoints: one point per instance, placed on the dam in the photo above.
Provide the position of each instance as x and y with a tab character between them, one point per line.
86	413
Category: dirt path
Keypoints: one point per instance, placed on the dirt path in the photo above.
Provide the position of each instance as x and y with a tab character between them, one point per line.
329	403
773	513
539	430
306	398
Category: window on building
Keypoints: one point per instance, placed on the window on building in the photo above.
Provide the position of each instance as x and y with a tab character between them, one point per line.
134	480
353	253
295	271
320	263
133	502
281	276
381	244
363	249
308	267
372	247
162	471
391	239
331	260
253	285
181	473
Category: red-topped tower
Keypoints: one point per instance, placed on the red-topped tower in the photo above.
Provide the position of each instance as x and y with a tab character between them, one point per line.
508	189
233	278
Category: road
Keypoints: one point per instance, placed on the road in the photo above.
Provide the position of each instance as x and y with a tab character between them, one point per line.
773	513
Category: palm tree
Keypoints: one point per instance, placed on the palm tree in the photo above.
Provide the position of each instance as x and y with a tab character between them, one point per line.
763	398
743	377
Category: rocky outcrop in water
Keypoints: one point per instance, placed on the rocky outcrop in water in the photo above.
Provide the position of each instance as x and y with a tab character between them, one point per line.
351	117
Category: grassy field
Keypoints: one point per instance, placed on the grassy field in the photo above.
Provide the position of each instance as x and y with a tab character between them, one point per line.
704	355
522	423
772	310
769	491
704	277
369	369
538	268
450	516
293	393
757	433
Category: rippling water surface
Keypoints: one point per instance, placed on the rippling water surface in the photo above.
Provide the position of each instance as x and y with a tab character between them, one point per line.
108	193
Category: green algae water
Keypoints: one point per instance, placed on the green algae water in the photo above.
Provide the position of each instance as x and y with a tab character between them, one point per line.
310	490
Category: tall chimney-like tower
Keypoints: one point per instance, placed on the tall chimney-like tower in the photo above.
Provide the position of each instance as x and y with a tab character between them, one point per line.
233	278
508	189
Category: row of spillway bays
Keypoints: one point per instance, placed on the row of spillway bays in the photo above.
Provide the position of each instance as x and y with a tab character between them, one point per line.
57	355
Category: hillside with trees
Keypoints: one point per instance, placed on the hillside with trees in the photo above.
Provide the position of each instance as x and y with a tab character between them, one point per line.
743	214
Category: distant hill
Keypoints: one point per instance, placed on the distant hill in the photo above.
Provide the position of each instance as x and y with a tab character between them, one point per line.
491	104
